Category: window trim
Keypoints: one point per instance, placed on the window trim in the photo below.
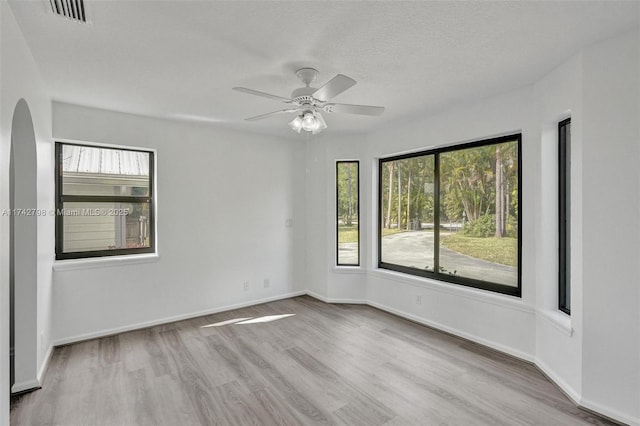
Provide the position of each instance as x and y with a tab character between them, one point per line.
60	199
338	264
465	281
564	215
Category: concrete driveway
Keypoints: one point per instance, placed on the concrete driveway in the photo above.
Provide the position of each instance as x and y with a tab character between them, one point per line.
415	249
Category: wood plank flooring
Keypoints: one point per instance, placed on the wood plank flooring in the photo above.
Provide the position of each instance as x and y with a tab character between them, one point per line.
326	364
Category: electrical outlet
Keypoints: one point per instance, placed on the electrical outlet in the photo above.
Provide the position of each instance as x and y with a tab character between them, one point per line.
418	300
246	286
266	283
288	223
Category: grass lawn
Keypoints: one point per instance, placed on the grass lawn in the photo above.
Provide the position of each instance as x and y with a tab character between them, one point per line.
390	231
497	250
347	234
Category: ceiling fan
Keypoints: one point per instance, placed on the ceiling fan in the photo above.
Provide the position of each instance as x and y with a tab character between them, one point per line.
307	102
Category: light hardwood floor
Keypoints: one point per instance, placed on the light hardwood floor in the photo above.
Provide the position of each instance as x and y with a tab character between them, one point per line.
326	364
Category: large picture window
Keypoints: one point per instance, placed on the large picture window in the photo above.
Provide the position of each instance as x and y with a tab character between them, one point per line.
104	201
453	214
347	213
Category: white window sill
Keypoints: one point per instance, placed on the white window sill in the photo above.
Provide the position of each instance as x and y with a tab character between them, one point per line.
104	262
348	270
485	296
557	319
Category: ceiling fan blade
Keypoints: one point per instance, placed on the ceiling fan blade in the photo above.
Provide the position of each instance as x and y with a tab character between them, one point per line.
270	114
334	87
354	109
262	94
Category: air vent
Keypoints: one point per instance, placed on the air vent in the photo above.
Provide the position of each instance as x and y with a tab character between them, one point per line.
70	9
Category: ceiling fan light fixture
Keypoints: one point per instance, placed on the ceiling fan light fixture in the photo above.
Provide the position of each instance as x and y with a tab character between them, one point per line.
321	124
309	122
296	124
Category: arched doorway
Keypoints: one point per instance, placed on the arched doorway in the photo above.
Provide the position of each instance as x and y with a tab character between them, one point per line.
23	251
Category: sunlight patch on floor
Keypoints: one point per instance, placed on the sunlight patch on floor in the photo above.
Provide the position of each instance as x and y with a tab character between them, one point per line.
267	318
231	321
249	320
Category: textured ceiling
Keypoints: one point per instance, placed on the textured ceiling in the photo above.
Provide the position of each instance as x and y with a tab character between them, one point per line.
180	59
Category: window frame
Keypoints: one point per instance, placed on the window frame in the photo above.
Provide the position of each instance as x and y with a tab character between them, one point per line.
60	199
338	264
453	279
564	215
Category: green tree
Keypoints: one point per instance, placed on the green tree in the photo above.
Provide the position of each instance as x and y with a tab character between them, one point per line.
407	192
474	182
466	178
347	182
506	191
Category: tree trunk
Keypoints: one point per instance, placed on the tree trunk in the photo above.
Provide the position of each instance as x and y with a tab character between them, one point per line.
507	204
387	221
409	201
499	195
471	213
399	198
350	198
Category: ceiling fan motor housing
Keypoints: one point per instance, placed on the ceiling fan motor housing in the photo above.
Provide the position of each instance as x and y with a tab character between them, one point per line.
303	95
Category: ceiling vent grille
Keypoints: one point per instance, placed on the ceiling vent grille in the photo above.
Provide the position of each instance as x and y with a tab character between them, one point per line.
70	9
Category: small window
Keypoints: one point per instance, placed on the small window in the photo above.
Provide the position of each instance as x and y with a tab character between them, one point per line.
347	213
453	214
104	201
564	229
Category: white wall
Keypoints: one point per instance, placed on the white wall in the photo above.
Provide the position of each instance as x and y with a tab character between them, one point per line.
223	198
337	284
317	216
594	355
558	336
23	242
611	250
19	79
503	322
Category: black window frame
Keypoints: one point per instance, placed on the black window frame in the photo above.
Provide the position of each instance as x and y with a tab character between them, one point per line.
564	216
61	199
357	163
454	279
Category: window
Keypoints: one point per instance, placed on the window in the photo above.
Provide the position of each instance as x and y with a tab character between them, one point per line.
453	214
348	213
564	172
104	201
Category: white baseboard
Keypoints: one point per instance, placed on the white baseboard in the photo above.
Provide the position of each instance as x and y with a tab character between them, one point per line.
577	398
494	345
569	391
332	300
608	412
37	382
24	386
45	364
166	320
